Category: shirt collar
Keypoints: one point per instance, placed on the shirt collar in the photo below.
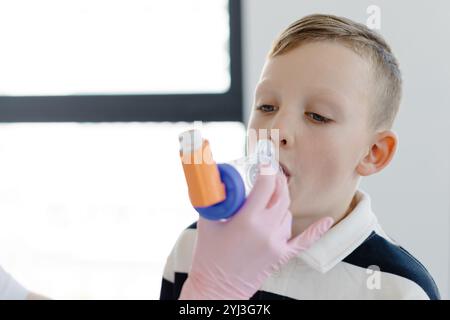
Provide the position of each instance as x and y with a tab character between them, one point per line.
343	238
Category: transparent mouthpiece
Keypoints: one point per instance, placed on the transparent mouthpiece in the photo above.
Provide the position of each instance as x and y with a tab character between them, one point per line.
249	167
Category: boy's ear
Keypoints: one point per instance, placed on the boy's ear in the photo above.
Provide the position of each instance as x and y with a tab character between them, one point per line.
380	153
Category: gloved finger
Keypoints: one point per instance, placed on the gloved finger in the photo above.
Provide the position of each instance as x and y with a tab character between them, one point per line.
287	216
281	201
276	193
262	191
286	226
313	233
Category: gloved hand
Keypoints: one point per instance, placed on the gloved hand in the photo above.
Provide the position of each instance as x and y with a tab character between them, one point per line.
233	258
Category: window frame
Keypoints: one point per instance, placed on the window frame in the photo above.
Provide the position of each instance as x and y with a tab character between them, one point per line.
139	107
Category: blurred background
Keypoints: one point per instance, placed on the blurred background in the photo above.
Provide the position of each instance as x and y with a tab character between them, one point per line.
93	95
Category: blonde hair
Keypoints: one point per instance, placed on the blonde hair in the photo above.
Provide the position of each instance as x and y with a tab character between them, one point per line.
365	42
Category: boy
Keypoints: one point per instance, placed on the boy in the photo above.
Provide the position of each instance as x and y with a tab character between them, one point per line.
332	88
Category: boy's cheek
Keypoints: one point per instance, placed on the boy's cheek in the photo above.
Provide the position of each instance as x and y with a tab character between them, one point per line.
318	175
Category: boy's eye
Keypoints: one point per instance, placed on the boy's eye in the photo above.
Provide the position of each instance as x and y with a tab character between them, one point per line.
266	108
317	117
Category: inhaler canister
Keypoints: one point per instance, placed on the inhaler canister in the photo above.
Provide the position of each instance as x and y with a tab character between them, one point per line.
217	191
201	172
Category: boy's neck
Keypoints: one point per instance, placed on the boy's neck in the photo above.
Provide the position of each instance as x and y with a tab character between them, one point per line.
300	224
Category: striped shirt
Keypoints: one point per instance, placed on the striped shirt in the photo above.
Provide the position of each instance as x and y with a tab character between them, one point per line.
353	260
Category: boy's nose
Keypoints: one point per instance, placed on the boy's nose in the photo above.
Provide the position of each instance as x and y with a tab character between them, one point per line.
284	141
282	137
285	136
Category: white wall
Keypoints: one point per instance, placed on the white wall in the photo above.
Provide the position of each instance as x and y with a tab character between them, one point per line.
411	196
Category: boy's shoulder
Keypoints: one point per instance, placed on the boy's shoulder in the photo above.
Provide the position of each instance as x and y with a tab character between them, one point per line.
403	276
379	254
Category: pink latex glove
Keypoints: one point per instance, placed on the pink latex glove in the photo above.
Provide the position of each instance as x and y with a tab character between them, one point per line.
233	258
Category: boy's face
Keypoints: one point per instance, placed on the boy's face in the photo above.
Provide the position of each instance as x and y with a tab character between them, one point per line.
318	96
